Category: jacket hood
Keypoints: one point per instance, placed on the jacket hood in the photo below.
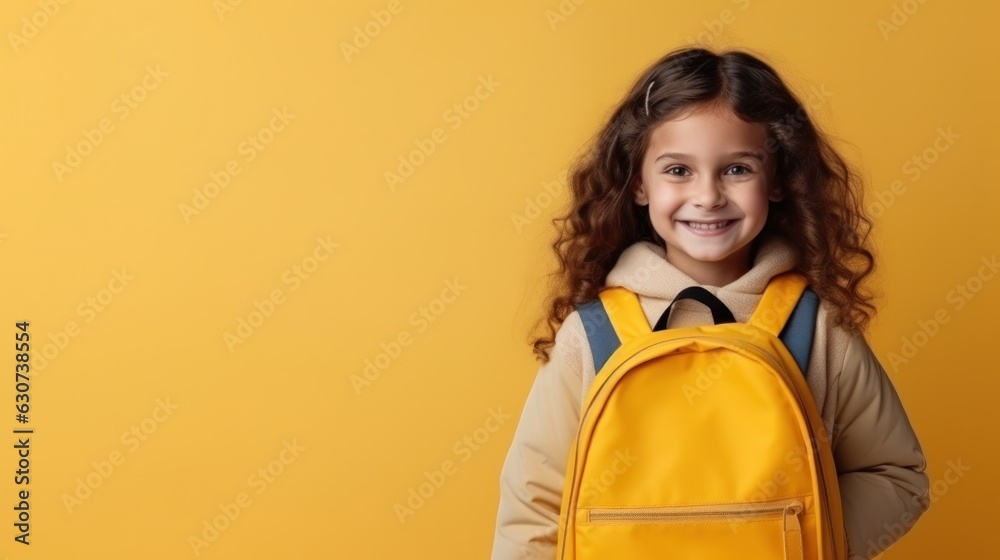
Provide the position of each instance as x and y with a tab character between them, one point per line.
643	269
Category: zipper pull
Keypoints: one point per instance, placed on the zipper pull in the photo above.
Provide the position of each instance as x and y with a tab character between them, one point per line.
792	530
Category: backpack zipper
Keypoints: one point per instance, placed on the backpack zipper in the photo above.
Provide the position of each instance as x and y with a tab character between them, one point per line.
788	510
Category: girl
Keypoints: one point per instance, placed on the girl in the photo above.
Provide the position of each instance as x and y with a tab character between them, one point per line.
711	173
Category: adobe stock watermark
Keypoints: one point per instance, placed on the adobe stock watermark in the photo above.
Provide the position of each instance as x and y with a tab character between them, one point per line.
939	488
795	460
958	297
533	206
131	439
88	309
250	148
122	107
420	319
716	26
900	15
783	305
293	277
708	375
718	365
562	12
260	480
31	25
543	542
463	449
225	7
914	168
455	115
601	482
365	34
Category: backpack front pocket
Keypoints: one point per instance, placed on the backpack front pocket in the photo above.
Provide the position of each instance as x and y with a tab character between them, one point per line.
772	529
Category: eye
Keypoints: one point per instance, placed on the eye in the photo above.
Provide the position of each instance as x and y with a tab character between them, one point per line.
670	171
743	167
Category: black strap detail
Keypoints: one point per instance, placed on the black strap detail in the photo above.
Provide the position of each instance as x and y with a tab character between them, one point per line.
720	313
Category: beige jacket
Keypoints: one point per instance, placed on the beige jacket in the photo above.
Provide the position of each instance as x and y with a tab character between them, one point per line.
880	462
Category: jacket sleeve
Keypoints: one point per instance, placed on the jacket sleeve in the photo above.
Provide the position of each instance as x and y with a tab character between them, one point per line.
531	480
880	463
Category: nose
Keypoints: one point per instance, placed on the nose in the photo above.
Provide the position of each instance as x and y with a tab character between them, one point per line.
708	194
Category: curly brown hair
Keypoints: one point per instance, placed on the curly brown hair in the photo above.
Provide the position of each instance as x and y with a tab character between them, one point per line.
822	213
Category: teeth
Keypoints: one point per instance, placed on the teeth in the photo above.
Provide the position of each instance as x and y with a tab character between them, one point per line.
716	225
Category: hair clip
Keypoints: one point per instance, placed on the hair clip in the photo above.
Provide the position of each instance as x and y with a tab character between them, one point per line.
647	96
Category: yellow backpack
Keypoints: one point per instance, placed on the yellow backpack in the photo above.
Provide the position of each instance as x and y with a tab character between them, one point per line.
702	442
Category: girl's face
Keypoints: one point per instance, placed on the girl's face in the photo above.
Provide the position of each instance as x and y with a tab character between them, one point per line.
707	179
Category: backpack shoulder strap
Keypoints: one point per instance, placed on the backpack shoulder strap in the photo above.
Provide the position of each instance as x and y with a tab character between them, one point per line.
788	310
797	335
614	317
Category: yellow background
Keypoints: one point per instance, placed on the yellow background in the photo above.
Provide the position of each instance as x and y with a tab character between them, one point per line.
214	77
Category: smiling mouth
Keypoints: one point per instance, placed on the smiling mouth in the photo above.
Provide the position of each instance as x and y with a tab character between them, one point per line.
708	226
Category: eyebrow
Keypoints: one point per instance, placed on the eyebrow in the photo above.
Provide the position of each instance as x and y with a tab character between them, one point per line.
676	155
